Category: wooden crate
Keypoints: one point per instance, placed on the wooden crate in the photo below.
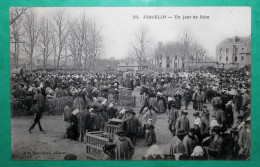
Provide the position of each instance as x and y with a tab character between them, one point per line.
21	107
95	142
57	105
113	126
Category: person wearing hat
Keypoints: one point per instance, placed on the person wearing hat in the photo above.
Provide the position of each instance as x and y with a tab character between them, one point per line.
190	141
205	112
172	118
228	144
187	96
197	125
111	111
161	103
133	126
177	146
198	154
150	137
37	115
124	147
204	125
171	101
244	141
84	122
216	101
78	102
229	114
40	99
182	123
220	116
214	150
200	99
72	130
178	98
98	120
238	101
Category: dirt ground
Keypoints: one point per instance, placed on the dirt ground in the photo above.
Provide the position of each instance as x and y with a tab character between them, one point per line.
51	145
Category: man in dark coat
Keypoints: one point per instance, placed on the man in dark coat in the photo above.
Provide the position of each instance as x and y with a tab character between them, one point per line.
214	150
132	126
190	141
187	98
182	123
172	117
37	115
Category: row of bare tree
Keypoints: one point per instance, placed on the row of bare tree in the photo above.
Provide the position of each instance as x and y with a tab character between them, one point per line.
188	49
76	39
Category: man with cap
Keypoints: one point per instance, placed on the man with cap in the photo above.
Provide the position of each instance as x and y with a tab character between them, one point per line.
132	126
182	123
172	117
40	99
124	147
190	141
37	115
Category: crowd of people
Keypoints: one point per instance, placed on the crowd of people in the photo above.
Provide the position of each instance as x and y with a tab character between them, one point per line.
213	134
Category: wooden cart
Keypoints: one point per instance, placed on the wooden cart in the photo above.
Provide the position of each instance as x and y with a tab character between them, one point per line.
113	126
95	142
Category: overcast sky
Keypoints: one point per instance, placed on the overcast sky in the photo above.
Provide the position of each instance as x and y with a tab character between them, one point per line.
119	27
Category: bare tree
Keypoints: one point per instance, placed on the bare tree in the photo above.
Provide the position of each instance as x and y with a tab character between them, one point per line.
196	52
72	45
31	33
15	35
61	33
184	44
45	40
140	45
15	14
78	33
96	43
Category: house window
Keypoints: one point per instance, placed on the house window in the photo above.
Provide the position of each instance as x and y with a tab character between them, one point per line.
220	51
227	50
242	58
168	65
226	58
235	58
236	50
242	49
220	58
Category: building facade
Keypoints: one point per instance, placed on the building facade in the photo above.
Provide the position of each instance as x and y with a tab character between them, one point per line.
167	56
234	51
